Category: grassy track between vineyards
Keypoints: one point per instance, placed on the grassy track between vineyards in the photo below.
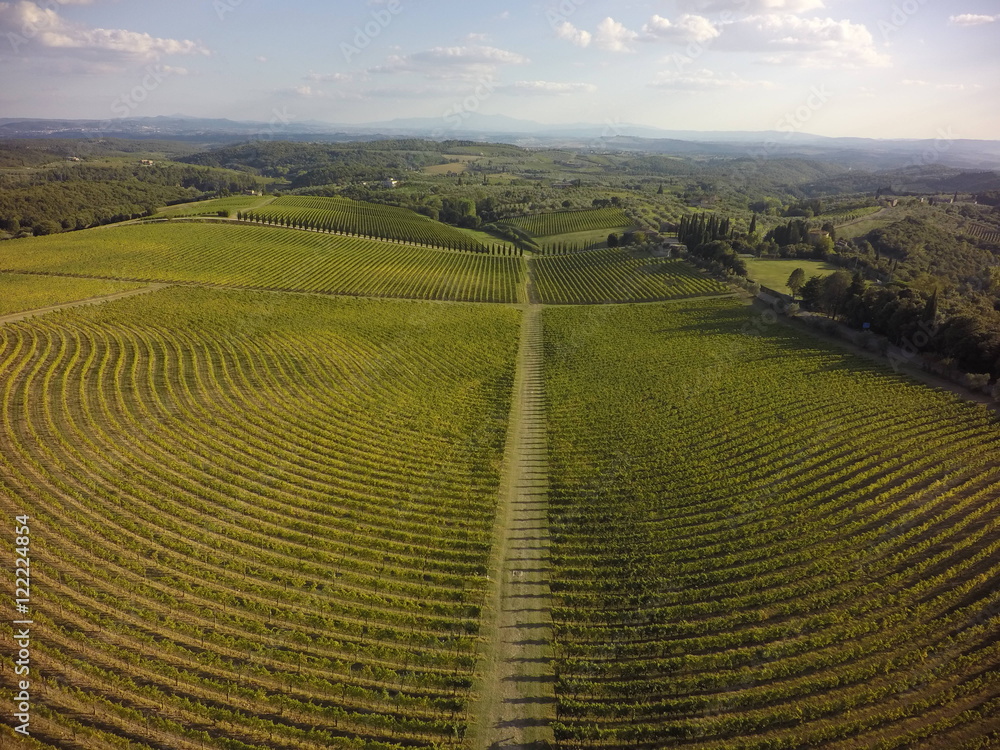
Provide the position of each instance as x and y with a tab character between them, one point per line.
516	700
258	520
759	541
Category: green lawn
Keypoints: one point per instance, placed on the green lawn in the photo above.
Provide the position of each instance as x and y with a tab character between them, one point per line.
774	273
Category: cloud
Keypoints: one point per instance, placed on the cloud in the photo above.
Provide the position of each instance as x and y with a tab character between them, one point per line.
307	92
804	42
943	86
576	36
972	19
687	28
703	80
546	88
613	36
327	77
31	28
752	6
467	61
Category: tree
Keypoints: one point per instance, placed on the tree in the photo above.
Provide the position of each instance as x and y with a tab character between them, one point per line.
753	224
796	281
612	240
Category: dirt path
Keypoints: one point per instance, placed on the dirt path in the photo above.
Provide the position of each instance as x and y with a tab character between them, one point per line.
517	689
25	314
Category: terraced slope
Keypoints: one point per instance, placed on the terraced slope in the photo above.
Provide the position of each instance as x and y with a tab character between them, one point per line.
257	520
269	258
616	275
759	542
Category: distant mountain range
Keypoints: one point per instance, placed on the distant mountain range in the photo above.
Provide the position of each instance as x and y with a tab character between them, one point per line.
864	153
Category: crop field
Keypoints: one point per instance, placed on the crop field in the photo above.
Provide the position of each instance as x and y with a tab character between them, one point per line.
567	222
617	275
257	520
367	219
19	292
270	258
762	542
213	207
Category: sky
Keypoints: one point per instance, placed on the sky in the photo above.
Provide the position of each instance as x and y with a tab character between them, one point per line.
865	68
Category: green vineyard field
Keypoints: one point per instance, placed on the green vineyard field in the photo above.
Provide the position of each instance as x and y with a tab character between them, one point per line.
257	520
567	222
271	258
214	207
617	275
19	292
761	542
367	219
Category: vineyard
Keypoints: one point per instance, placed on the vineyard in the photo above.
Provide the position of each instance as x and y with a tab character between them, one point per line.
984	232
847	215
759	542
214	207
257	521
567	222
269	258
346	216
617	275
28	292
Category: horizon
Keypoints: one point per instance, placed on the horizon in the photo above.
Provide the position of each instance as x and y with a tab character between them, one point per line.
830	68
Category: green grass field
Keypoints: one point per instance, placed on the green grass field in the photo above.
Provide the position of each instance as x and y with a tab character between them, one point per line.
774	273
759	541
20	292
271	258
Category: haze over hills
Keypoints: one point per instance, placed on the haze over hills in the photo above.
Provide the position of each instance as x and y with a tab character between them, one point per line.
852	152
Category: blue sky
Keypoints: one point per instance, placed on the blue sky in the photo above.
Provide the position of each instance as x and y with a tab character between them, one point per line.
870	68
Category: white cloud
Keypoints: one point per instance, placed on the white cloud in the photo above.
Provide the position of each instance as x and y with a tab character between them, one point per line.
804	42
467	61
972	19
943	86
613	36
703	80
687	28
307	92
576	36
546	88
327	77
752	6
261	59
30	28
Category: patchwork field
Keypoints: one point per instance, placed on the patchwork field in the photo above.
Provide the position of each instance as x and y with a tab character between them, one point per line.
568	222
554	520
